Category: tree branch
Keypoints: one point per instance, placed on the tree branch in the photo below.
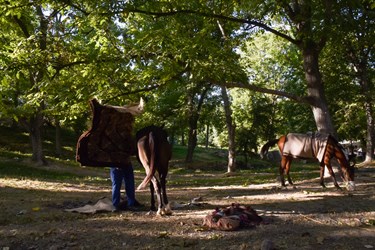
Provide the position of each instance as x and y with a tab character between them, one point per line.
299	99
23	26
215	16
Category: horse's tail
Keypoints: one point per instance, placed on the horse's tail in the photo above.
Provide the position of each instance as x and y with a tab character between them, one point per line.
152	169
264	149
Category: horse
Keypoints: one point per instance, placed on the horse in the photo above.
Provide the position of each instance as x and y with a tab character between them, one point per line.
322	149
154	153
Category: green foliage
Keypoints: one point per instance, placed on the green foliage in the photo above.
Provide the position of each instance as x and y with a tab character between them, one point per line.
56	55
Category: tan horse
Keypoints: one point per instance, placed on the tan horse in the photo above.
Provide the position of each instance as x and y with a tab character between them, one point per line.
331	149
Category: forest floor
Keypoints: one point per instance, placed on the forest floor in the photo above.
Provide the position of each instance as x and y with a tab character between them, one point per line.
33	216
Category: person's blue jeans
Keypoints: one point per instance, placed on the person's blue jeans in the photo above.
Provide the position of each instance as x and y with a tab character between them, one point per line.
118	175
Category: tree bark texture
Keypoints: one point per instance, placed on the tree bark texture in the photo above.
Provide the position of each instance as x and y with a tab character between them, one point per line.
315	90
35	130
231	131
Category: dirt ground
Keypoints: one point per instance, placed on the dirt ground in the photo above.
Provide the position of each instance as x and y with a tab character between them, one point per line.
33	216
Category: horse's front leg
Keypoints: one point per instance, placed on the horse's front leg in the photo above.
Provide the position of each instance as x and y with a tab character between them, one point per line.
332	174
322	175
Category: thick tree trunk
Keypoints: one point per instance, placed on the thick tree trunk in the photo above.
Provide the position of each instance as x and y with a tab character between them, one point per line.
35	128
368	103
370	132
231	132
315	90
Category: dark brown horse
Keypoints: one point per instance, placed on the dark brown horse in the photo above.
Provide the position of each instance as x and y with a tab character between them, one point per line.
329	149
154	153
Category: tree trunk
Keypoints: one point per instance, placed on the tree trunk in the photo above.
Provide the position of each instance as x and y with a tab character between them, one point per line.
192	134
231	132
368	103
35	125
58	147
194	113
370	132
315	89
183	139
207	135
192	138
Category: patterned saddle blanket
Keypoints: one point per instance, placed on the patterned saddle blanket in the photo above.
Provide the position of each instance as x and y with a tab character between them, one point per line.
311	145
109	141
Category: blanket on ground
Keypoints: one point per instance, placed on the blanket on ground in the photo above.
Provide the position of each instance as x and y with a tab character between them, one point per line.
103	205
312	145
232	218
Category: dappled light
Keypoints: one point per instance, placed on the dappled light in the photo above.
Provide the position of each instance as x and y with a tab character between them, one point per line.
33	214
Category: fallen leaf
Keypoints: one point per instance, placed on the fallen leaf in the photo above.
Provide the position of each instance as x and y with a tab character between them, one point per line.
163	234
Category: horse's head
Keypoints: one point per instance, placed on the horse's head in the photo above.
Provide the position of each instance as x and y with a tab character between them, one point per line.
347	168
348	176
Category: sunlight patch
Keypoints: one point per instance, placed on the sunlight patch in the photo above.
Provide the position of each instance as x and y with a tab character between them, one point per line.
49	186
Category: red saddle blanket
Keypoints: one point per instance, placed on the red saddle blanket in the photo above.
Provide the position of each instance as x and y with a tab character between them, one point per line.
306	145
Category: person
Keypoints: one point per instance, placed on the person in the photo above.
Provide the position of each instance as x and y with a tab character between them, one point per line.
118	175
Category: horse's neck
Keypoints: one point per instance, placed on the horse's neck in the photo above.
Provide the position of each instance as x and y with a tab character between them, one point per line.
341	156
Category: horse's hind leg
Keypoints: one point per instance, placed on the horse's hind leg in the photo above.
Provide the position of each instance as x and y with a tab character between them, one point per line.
157	187
152	190
168	210
281	170
287	169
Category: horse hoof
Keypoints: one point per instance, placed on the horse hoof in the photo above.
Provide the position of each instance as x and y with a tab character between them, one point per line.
160	212
168	212
151	212
350	186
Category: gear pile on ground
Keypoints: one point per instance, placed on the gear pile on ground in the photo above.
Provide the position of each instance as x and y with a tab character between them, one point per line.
232	218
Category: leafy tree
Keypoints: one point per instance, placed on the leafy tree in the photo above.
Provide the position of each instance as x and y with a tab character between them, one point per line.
360	47
305	24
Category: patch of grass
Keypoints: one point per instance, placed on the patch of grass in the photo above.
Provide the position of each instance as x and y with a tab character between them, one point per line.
197	178
207	169
11	169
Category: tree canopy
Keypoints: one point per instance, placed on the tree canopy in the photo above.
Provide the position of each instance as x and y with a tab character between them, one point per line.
288	65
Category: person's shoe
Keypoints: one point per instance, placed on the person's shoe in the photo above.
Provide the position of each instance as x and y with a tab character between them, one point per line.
116	210
136	206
